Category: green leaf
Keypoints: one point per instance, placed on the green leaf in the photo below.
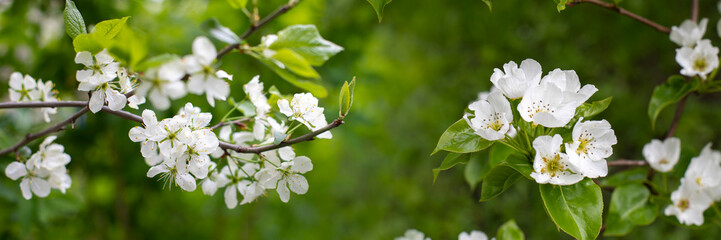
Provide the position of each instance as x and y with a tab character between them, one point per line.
629	207
346	97
108	29
304	83
588	110
220	32
636	175
305	40
668	93
497	181
87	42
498	153
295	63
561	4
510	231
460	138
129	46
247	108
74	23
155	61
489	4
449	161
519	163
576	209
378	5
237	4
477	168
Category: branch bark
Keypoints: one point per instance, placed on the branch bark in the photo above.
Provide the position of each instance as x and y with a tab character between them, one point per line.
623	11
55	128
624	162
307	137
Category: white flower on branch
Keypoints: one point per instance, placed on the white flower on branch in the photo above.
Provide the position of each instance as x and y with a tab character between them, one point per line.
553	103
688	204
662	155
592	143
254	90
688	33
148	136
704	171
491	118
44	170
287	177
552	166
412	234
304	109
203	77
159	84
514	81
116	100
474	235
98	70
47	94
699	60
126	86
22	88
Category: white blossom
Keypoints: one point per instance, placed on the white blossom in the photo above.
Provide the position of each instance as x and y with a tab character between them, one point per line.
688	33
304	108
592	144
662	155
148	136
203	77
699	60
546	105
44	170
287	177
254	90
98	70
412	234
570	85
704	171
170	173
116	100
474	235
515	81
22	88
552	166
161	83
491	118
688	204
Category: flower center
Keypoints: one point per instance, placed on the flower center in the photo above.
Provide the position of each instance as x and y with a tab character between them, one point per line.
553	165
699	64
663	161
585	142
537	107
683	205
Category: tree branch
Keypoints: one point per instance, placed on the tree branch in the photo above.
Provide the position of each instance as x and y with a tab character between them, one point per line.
255	26
55	128
307	137
623	11
676	117
694	10
624	162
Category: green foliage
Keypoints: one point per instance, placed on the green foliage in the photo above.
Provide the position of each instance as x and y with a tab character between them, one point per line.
632	176
630	207
220	32
74	23
378	6
123	42
476	169
449	161
669	93
155	61
489	4
307	43
561	4
237	4
510	231
346	98
299	81
576	209
460	138
588	110
497	181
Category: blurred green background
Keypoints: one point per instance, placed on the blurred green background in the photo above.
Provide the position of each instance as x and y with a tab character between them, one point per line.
416	71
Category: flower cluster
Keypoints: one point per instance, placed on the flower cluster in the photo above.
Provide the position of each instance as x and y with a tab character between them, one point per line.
42	171
700	187
165	82
696	55
26	89
177	147
412	234
545	105
107	81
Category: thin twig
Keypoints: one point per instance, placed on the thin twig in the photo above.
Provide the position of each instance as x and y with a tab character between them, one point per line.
676	117
254	27
624	162
694	10
623	11
57	127
220	124
307	137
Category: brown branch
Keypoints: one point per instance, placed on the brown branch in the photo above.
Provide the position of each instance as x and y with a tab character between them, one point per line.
223	123
623	11
307	137
55	128
255	26
119	113
676	117
694	10
624	162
